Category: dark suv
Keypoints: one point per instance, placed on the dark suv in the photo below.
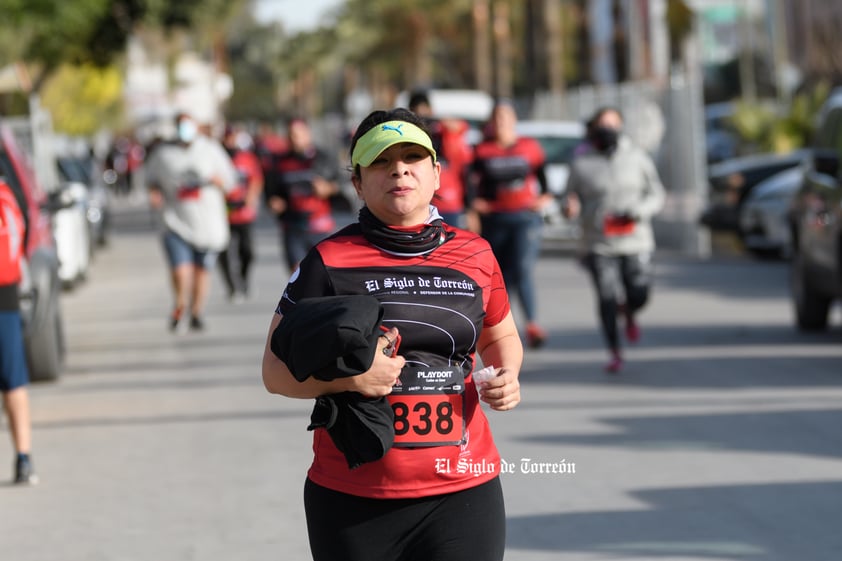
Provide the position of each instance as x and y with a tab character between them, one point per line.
40	287
816	222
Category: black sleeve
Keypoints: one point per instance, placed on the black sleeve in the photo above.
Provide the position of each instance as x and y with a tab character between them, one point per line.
541	175
271	179
309	280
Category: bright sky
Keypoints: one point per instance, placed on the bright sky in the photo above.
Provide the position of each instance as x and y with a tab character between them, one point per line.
296	15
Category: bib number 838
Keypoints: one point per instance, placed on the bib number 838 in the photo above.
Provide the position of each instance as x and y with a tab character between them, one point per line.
419	419
426	420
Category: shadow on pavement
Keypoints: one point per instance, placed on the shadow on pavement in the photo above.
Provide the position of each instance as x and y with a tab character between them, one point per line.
801	432
698	371
677	524
192	418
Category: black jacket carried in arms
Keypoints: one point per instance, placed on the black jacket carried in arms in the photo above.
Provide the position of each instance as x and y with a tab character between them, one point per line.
332	337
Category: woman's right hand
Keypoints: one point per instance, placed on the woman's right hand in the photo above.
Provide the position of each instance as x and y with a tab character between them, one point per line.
385	370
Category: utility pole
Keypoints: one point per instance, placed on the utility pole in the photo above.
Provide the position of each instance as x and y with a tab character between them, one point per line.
600	32
748	82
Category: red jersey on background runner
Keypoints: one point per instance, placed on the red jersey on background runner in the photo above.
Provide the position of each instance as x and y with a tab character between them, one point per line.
293	176
440	302
507	175
248	167
454	154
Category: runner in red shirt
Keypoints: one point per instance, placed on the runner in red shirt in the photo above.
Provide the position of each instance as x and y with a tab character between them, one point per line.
454	154
436	492
303	180
243	202
511	189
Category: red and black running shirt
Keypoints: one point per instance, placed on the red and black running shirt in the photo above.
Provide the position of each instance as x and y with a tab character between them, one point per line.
440	303
248	169
292	179
510	177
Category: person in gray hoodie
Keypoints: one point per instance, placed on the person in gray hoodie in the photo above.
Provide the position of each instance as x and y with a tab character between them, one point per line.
614	190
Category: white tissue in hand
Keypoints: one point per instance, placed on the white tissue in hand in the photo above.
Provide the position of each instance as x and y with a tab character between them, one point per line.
484	375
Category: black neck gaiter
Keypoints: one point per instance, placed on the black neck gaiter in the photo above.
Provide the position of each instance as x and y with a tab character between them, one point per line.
407	242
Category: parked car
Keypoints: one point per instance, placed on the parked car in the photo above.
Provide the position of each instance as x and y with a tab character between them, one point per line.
764	216
40	287
816	221
732	181
721	140
559	139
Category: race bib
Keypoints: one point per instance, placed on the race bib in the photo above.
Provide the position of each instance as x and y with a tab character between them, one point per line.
429	407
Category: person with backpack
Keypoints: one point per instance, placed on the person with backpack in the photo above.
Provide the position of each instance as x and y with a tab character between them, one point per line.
14	373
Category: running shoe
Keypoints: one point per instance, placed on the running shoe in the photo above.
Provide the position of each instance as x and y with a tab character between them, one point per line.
535	336
196	324
615	364
24	472
175	318
632	330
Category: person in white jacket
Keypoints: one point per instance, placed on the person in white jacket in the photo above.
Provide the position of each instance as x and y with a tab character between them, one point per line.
188	180
614	189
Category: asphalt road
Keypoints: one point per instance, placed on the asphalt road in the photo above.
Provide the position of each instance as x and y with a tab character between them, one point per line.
720	441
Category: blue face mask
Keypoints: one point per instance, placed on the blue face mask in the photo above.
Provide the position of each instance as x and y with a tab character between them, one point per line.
187	131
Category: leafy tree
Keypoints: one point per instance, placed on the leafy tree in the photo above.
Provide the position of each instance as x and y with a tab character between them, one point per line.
83	99
46	33
49	33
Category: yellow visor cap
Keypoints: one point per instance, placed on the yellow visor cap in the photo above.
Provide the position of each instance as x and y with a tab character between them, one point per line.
382	136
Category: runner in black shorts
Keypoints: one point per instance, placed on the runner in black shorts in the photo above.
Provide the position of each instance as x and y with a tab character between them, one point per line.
435	492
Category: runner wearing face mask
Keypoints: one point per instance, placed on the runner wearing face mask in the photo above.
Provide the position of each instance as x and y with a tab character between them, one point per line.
614	189
188	180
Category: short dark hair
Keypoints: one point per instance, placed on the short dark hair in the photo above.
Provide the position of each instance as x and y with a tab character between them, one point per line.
376	117
418	97
597	115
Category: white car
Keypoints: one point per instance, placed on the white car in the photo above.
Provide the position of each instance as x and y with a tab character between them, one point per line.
763	220
559	139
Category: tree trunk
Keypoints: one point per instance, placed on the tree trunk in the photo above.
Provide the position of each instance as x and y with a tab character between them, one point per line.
503	51
482	46
555	46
